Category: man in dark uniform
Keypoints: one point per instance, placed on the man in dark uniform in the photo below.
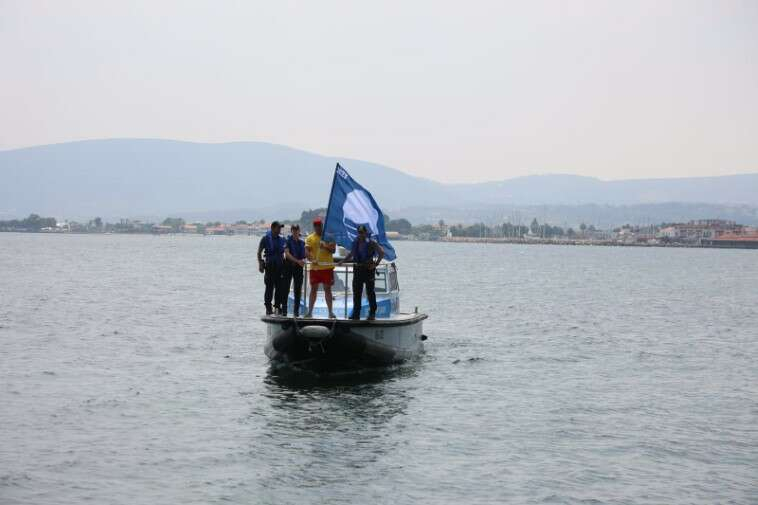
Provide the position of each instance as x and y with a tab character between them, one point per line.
366	254
294	256
273	244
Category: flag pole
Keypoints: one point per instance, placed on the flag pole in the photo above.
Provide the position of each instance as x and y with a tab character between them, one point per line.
329	205
326	220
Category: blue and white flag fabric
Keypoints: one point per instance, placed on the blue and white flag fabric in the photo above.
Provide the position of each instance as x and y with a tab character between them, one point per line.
351	205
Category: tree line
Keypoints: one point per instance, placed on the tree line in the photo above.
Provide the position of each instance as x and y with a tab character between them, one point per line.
35	223
32	223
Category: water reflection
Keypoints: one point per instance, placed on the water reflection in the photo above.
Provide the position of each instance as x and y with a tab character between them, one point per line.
301	379
372	396
320	431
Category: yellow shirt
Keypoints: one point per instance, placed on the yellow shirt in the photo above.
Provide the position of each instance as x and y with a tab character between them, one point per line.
318	253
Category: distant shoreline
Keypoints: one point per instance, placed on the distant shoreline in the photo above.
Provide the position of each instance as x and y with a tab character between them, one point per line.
588	243
453	240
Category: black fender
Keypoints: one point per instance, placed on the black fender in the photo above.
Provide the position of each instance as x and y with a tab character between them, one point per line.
358	345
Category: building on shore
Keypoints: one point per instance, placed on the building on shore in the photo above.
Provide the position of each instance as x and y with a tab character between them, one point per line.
697	231
241	229
747	239
222	229
260	227
159	229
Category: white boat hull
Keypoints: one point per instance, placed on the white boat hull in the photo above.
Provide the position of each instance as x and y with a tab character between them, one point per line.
329	343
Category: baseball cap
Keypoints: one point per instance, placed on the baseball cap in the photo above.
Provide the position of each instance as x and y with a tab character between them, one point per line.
276	224
318	220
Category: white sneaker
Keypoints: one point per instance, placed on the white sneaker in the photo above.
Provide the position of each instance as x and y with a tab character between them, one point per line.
332	316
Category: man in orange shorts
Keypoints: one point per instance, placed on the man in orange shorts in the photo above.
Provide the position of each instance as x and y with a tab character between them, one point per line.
321	255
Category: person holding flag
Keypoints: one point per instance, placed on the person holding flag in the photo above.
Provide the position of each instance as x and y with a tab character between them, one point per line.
367	254
351	209
321	255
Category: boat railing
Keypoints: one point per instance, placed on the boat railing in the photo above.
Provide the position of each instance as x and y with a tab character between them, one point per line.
385	273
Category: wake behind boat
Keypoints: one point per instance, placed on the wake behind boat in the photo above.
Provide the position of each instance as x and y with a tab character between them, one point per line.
319	342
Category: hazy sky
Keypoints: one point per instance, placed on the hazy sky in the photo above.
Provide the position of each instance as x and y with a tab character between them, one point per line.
454	91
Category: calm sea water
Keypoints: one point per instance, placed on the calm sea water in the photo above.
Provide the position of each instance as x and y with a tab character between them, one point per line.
133	373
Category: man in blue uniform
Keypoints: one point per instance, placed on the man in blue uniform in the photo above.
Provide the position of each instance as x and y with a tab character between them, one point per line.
294	260
366	254
273	244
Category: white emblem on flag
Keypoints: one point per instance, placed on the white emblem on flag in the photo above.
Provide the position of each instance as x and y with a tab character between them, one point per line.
358	210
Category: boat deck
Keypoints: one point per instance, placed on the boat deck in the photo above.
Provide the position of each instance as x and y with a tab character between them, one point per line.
398	319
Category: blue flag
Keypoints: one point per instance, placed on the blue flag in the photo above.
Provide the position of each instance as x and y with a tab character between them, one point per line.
350	206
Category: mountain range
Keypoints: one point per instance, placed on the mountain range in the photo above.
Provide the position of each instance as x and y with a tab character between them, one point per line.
149	178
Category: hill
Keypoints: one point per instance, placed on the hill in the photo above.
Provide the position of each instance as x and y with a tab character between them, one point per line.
154	178
125	178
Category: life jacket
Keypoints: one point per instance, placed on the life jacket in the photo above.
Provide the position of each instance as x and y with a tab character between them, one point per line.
296	247
363	252
274	248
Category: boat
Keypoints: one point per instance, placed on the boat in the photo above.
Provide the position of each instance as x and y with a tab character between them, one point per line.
321	343
327	344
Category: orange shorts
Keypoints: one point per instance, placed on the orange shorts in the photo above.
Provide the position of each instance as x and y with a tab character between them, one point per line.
325	277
